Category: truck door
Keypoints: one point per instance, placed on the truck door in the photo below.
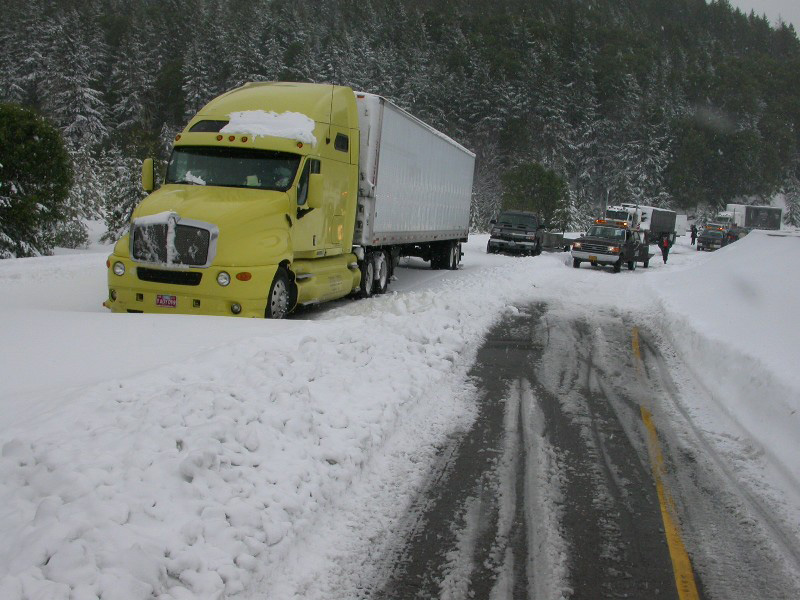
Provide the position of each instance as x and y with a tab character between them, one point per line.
309	225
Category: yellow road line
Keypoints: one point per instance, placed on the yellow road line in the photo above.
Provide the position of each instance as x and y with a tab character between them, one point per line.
681	564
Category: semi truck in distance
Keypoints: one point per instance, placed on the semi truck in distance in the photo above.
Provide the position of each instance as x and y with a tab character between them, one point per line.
652	222
278	195
749	217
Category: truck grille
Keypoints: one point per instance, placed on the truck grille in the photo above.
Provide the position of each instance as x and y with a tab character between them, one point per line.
171	277
511	236
190	245
596	248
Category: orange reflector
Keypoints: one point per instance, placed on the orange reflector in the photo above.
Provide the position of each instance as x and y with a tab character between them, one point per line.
108	263
244	276
231	138
177	137
299	144
219	138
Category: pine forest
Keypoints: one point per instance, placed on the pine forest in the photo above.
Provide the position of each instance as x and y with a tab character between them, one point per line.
685	104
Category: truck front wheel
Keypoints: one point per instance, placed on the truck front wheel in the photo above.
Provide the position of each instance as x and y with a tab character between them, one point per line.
278	298
618	266
576	263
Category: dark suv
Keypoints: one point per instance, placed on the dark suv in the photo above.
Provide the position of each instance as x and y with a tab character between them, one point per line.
516	232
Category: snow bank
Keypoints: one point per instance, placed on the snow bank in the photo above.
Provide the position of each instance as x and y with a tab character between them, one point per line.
290	125
733	319
200	457
193	477
745	297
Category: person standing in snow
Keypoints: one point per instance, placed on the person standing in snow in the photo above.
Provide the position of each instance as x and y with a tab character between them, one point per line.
694	234
664	244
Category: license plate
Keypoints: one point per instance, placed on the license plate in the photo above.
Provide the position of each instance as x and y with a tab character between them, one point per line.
166	300
593	258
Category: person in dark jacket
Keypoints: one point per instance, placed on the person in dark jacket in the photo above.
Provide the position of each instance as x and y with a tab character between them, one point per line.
694	234
664	243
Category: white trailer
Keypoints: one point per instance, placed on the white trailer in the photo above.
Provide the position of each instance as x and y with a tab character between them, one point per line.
681	224
753	217
415	185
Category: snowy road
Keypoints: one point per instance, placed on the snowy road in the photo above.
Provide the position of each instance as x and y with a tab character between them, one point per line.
197	458
552	493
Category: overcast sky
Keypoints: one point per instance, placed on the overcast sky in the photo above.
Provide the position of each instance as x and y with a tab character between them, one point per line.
788	10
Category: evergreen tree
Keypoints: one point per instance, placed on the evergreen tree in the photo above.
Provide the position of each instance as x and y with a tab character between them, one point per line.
123	191
791	196
35	178
534	188
70	87
675	104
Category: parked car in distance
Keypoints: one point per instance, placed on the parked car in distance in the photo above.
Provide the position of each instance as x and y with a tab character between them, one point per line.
711	239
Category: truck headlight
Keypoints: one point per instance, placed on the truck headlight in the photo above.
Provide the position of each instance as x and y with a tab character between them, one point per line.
615	249
576	246
119	269
223	278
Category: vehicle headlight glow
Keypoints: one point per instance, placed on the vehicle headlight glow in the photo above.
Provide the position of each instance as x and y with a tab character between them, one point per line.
576	246
119	268
615	249
223	278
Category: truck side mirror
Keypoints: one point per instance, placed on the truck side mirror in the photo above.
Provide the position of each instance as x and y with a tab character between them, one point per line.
148	175
315	190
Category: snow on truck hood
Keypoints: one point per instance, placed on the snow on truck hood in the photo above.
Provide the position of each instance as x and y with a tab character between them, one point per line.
290	125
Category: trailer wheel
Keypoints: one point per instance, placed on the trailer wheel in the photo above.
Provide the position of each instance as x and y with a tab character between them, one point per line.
576	263
453	256
278	297
381	272
367	268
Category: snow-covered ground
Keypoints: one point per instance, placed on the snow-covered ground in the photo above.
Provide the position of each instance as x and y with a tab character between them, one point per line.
203	457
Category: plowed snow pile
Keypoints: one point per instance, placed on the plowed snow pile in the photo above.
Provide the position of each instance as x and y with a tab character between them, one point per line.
181	457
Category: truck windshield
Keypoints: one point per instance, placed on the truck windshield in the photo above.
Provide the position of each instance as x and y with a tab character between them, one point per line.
232	167
612	233
617	215
517	221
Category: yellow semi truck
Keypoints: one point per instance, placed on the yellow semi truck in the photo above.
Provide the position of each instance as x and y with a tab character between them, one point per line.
278	195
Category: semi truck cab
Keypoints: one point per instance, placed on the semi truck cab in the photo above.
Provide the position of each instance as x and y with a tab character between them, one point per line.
260	204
